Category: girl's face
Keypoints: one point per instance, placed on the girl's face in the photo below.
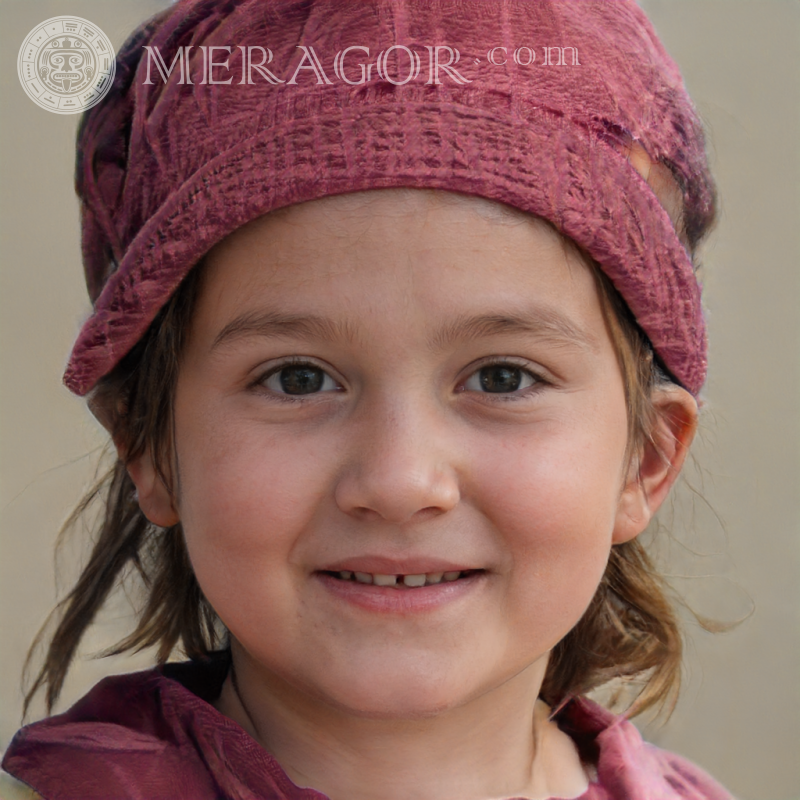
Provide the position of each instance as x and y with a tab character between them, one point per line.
383	385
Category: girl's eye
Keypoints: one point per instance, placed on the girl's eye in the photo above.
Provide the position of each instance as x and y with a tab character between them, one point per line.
299	379
500	379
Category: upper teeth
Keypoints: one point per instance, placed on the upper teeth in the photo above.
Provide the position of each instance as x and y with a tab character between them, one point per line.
423	579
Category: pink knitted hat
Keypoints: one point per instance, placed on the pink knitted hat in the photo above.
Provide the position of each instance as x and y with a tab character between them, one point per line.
533	103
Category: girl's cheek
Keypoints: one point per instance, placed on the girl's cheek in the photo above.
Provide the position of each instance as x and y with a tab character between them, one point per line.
558	485
233	475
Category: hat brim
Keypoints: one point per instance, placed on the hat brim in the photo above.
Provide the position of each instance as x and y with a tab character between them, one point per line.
548	165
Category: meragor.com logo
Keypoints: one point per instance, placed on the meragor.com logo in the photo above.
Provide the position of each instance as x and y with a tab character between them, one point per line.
66	65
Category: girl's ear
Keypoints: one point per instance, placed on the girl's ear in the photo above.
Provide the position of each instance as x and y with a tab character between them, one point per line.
656	466
155	499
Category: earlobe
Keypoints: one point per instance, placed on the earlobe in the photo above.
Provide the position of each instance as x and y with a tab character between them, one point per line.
155	499
656	467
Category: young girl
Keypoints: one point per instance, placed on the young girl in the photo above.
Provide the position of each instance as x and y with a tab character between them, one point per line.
397	335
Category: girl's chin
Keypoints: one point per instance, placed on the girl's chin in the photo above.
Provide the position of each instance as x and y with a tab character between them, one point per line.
355	675
402	694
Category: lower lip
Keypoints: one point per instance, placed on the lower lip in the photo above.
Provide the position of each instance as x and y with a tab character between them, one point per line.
388	600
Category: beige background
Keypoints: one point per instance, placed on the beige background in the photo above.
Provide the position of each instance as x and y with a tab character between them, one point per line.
736	550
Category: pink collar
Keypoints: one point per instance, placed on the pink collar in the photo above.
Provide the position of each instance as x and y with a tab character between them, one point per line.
154	734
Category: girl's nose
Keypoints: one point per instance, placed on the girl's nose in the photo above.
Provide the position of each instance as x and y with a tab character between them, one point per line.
402	466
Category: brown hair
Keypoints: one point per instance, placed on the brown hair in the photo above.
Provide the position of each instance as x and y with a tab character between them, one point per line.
629	630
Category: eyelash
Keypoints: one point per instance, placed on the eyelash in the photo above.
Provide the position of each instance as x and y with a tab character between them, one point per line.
537	382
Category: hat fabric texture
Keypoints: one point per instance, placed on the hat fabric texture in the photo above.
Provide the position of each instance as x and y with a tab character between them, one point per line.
166	168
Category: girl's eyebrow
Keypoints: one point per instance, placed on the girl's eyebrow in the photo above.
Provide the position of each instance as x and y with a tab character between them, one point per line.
544	322
274	323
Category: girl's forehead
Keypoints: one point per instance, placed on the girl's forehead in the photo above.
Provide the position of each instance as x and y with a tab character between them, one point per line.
410	255
347	220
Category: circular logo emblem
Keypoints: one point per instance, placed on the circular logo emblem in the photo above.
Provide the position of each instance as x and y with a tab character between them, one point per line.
66	65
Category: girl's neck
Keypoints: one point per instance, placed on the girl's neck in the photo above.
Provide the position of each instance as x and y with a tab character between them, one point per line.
500	745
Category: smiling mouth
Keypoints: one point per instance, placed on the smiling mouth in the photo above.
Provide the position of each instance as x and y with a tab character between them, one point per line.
402	581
